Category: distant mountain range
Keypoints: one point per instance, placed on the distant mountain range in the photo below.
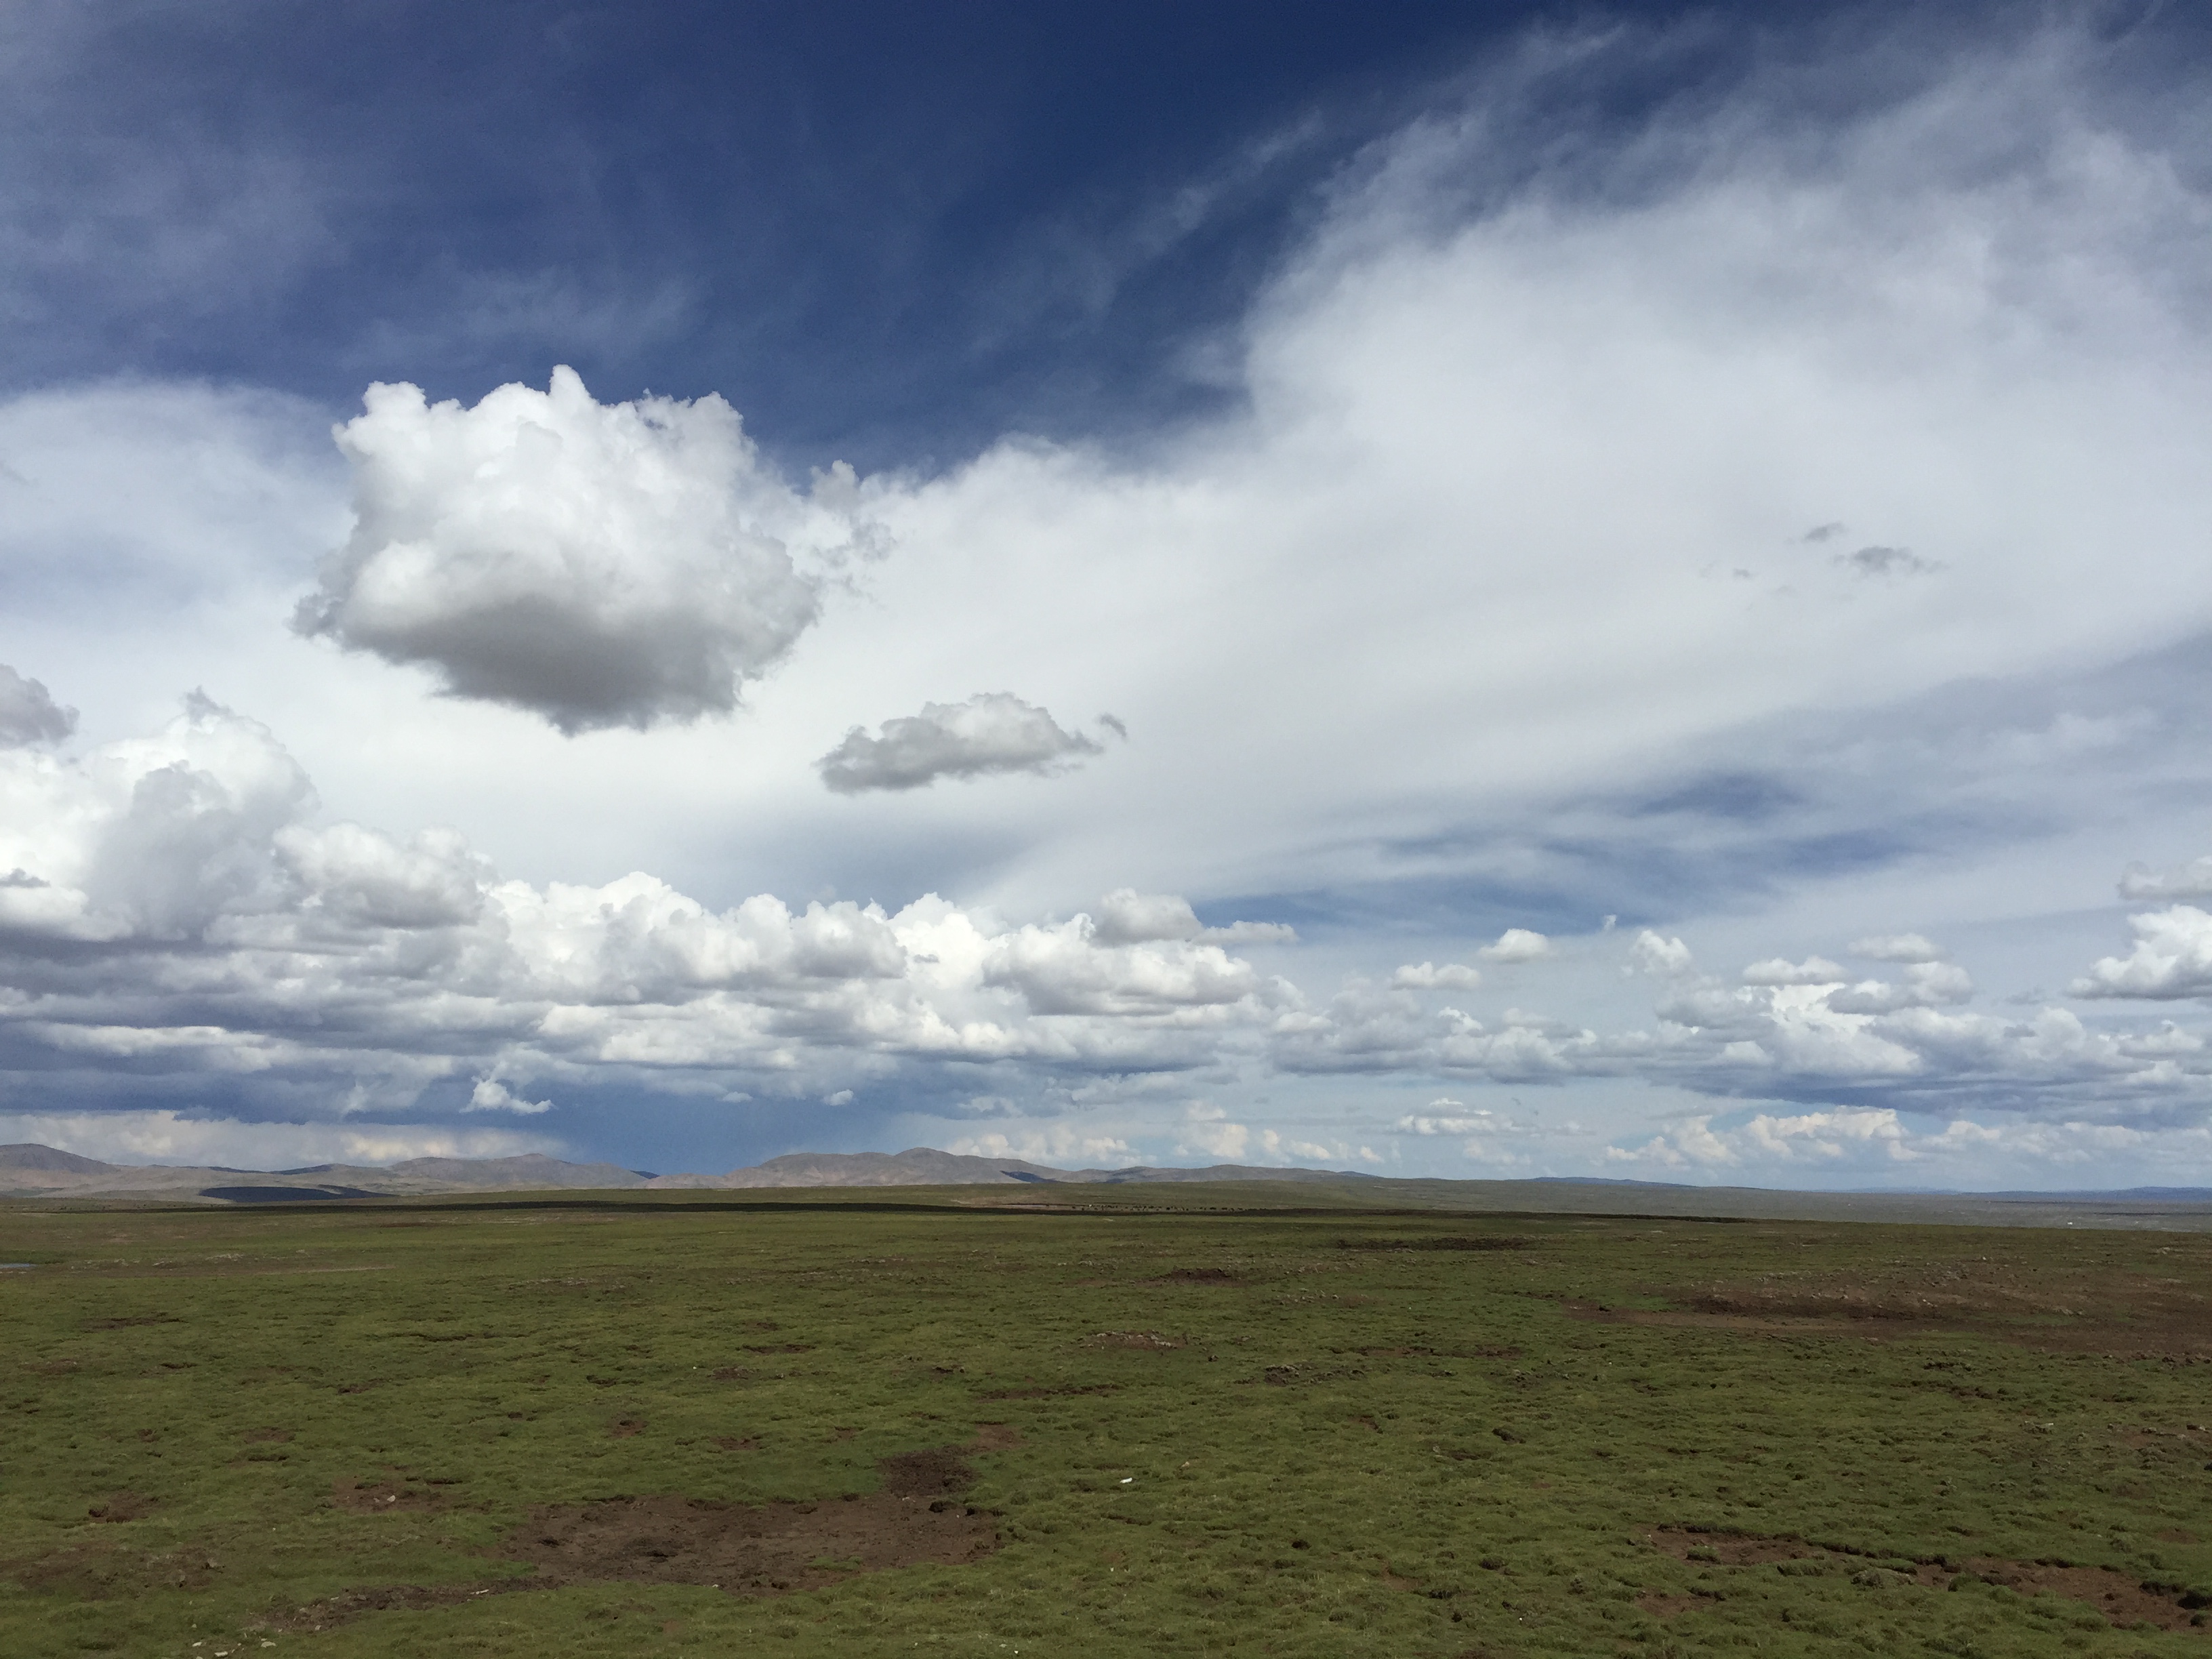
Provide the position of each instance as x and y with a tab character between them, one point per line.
31	1171
28	1172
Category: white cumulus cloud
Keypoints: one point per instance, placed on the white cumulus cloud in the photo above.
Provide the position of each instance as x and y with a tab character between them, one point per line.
1654	953
1778	970
2172	957
1897	947
1436	976
599	565
491	1095
1517	944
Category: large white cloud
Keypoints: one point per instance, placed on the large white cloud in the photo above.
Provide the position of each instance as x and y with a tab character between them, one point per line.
2172	958
598	565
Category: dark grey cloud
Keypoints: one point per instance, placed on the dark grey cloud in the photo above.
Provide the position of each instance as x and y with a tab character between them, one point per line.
992	732
28	713
1886	561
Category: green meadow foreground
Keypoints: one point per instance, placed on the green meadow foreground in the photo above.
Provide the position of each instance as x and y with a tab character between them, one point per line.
642	1426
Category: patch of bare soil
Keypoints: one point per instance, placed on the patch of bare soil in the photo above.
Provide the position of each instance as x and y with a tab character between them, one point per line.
1147	1339
348	1605
376	1498
87	1572
2100	1310
266	1436
2123	1600
1042	1392
745	1549
1793	1323
121	1506
759	1549
1198	1276
1666	1606
1478	1242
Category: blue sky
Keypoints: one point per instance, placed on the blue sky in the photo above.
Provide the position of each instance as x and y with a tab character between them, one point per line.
1441	589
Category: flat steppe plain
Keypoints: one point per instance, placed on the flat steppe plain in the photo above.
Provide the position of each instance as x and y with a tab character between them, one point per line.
1158	1420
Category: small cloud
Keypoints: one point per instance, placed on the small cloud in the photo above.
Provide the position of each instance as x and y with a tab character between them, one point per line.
1446	1117
1886	561
1897	947
1654	954
842	1098
1127	916
28	713
1814	970
982	1106
993	732
491	1095
1822	532
2192	880
1927	985
1517	944
1435	977
1252	932
1113	724
1061	1147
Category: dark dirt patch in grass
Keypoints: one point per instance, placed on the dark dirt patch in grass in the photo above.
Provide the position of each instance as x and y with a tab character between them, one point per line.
122	1506
349	1605
1198	1276
2123	1599
734	1442
1417	1242
1147	1341
623	1427
1762	1324
745	1549
125	1321
754	1549
1039	1391
1666	1606
89	1572
2115	1315
266	1436
375	1497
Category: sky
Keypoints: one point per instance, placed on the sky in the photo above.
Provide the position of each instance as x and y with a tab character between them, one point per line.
1479	591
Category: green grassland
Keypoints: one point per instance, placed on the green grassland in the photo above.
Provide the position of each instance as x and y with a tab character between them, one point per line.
1194	1428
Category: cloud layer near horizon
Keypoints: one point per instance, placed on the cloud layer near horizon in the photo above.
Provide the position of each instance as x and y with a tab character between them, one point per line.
176	925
